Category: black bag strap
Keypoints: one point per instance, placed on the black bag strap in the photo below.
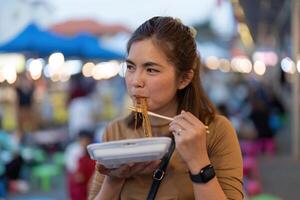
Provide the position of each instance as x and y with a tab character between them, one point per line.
160	172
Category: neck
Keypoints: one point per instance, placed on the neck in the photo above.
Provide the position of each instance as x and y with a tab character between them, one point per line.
159	122
170	110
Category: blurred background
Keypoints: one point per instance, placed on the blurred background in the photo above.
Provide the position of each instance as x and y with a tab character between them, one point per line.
61	81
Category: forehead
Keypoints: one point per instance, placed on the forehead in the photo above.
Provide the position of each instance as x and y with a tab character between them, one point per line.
146	50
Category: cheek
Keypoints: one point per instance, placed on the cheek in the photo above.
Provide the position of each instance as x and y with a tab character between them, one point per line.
162	91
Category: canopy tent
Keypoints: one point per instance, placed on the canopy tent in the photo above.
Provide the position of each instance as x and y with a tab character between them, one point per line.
42	43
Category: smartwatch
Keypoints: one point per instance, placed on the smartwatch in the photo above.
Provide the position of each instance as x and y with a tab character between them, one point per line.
206	174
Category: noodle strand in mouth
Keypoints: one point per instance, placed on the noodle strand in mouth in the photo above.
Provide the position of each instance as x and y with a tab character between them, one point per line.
142	104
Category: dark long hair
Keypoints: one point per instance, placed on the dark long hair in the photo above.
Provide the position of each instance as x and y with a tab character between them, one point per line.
178	43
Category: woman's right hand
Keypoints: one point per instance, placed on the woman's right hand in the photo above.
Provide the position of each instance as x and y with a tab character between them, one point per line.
129	170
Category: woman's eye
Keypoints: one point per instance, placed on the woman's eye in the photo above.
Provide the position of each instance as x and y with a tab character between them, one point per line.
152	70
130	67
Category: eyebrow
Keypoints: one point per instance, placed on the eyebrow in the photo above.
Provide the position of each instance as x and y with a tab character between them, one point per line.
144	64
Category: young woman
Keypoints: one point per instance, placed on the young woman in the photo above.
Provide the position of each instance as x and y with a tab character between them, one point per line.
163	67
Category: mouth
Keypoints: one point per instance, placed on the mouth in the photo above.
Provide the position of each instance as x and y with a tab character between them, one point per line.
137	99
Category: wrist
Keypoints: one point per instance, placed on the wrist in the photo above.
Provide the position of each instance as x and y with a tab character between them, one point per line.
111	188
197	164
114	180
206	174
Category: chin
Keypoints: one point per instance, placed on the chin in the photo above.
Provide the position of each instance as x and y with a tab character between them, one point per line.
153	108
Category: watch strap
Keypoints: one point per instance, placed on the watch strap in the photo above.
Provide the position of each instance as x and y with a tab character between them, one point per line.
206	174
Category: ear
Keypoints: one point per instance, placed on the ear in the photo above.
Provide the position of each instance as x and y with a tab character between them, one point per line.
185	79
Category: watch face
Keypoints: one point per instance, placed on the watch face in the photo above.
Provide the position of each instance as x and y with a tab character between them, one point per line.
207	174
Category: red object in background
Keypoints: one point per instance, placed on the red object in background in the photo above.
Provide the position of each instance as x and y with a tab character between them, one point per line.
250	167
253	187
74	27
78	180
250	147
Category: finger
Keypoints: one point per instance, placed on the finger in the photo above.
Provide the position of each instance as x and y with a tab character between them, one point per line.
137	168
191	118
175	127
187	116
185	125
124	169
181	117
151	166
121	172
195	120
180	127
101	169
179	136
178	140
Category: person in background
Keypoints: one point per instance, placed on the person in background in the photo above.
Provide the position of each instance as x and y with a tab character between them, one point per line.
80	105
11	164
3	142
260	115
79	166
163	67
24	105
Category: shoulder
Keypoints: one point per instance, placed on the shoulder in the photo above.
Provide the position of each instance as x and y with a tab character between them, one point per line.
222	133
221	124
117	123
116	129
221	120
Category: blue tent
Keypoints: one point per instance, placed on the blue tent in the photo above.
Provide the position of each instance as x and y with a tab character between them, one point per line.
42	43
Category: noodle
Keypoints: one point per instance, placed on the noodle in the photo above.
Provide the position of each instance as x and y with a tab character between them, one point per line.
142	105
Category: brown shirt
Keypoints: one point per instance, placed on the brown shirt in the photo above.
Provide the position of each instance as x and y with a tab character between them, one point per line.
223	151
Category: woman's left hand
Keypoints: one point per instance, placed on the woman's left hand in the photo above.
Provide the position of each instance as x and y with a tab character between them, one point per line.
190	138
129	170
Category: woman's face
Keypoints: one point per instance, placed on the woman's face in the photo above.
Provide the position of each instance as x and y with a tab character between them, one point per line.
151	76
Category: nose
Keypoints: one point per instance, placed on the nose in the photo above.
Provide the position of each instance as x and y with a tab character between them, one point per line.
138	79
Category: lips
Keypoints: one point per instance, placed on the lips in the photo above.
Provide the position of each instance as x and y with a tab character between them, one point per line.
138	97
137	93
